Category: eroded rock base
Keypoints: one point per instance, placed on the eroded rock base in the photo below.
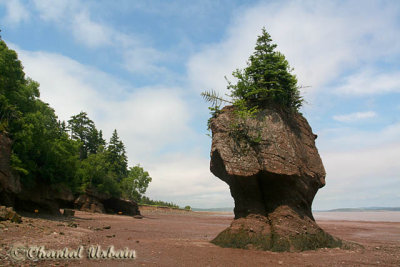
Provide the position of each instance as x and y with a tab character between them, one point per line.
281	230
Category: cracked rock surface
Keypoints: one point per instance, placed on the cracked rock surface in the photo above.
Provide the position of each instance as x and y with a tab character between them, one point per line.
273	169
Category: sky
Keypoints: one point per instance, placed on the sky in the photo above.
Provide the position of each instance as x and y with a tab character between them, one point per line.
140	66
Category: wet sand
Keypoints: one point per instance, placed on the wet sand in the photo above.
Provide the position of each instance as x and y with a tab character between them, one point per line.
373	216
165	238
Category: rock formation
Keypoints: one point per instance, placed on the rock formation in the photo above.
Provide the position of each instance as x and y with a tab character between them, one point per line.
273	169
44	198
9	182
93	201
8	213
121	206
41	197
49	199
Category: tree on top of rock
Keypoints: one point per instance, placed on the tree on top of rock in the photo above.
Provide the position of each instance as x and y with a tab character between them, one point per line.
266	80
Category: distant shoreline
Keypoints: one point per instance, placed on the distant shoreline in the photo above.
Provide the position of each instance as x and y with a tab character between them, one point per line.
363	209
371	216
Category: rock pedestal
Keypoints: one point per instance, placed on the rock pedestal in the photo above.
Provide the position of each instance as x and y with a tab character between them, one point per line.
273	169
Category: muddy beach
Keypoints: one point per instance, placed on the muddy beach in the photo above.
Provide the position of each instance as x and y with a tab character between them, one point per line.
177	238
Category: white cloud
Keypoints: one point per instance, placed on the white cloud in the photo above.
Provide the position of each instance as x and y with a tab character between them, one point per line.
90	33
66	84
75	17
141	60
147	118
347	139
16	12
320	40
186	178
208	68
352	117
363	177
362	167
353	166
50	10
368	82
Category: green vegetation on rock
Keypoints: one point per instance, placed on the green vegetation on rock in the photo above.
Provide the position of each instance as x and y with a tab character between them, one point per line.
242	239
274	242
267	80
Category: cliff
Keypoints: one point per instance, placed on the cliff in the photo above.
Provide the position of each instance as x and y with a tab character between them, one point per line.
50	198
9	182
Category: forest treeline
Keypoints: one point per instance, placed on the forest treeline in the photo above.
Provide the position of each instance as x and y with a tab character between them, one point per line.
72	154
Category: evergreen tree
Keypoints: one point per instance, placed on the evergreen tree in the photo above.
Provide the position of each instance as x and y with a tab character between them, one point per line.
84	130
117	157
41	150
267	78
95	172
17	94
101	141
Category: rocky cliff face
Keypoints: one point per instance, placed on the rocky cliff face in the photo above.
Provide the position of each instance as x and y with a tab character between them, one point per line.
13	194
9	182
93	201
49	199
273	169
44	198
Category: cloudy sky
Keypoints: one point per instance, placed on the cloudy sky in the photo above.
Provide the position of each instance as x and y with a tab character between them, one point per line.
140	66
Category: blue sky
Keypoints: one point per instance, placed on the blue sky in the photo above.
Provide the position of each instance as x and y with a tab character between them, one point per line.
140	66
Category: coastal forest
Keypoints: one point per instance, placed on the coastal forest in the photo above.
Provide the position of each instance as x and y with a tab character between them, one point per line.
72	154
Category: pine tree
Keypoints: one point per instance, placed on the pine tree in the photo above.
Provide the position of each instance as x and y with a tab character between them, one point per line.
267	78
84	130
41	149
116	156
